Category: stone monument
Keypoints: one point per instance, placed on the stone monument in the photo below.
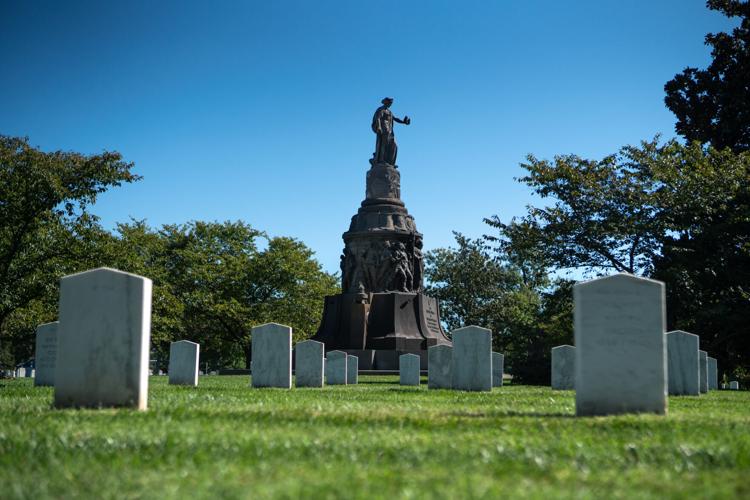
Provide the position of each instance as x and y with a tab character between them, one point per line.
382	311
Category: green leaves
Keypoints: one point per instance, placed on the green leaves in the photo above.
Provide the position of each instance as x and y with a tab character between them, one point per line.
603	214
468	282
712	105
212	284
527	313
45	230
680	213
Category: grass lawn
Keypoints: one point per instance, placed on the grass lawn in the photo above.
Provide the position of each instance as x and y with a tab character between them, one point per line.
374	440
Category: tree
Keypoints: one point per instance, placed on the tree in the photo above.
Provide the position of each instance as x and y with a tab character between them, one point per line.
478	286
541	319
706	261
289	286
713	105
212	284
468	282
45	226
679	213
705	255
603	214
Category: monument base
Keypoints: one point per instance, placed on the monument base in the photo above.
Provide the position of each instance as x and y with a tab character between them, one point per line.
379	327
384	359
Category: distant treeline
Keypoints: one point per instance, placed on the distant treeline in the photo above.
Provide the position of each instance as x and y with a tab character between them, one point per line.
212	281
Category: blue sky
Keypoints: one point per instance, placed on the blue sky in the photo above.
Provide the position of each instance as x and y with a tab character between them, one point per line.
261	111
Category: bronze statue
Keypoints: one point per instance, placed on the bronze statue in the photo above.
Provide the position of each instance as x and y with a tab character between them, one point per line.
382	124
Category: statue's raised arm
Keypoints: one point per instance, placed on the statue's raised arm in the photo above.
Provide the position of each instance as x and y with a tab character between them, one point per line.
382	124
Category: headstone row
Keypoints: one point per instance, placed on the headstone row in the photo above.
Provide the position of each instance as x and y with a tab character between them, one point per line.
272	361
468	365
690	371
97	355
624	363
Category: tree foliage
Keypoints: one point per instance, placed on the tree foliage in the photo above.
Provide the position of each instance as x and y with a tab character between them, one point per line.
602	215
676	212
212	284
45	227
477	285
468	282
713	105
212	281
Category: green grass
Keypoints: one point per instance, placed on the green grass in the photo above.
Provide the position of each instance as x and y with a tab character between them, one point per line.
375	440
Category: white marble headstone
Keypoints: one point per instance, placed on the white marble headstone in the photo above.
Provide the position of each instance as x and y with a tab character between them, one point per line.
21	372
439	367
352	369
471	368
498	366
308	363
184	357
408	369
703	371
621	352
563	368
336	368
103	340
713	374
734	385
272	356
45	354
683	363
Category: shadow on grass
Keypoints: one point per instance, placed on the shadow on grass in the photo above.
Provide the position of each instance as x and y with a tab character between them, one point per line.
411	389
495	414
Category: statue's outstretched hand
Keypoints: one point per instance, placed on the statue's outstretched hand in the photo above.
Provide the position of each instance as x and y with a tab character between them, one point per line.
407	120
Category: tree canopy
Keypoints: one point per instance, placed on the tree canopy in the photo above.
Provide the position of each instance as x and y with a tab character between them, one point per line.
46	229
478	285
212	281
676	212
713	104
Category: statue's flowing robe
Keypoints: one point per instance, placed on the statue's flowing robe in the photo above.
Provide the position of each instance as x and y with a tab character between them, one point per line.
385	145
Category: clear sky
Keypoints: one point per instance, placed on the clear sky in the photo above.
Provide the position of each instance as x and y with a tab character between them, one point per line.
260	110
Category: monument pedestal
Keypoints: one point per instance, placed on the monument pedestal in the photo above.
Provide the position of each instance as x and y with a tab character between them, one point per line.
379	327
382	312
384	359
